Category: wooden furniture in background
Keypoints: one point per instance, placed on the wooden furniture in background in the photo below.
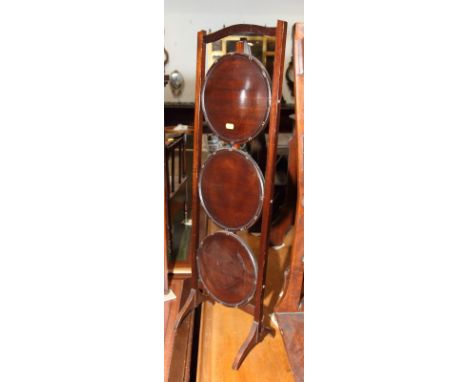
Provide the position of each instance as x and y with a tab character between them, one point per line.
289	312
172	181
258	329
176	182
174	151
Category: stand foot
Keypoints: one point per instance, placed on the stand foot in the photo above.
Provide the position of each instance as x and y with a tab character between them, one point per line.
257	334
193	300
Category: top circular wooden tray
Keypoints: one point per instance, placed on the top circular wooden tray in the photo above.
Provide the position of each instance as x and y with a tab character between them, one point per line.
236	97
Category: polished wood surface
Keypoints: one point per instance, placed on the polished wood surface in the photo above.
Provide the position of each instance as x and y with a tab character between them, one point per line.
228	269
236	97
231	189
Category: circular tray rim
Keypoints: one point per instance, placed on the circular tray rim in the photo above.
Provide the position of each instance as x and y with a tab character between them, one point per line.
246	300
267	113
254	219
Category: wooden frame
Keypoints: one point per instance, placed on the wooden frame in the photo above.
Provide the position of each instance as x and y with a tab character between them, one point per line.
196	296
171	182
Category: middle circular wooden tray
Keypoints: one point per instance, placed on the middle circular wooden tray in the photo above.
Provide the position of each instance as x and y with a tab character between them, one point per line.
227	268
231	189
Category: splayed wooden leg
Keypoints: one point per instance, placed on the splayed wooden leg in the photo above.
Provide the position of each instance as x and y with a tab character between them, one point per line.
257	334
193	300
267	330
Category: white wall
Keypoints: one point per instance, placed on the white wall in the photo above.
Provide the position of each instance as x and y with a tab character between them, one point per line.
184	18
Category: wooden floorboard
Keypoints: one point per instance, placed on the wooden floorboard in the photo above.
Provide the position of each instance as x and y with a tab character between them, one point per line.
223	330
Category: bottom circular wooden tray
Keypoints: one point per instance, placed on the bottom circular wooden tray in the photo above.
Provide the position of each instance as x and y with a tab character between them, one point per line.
227	268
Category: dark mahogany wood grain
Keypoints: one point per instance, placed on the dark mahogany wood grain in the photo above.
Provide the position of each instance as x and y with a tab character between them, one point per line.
227	268
236	97
231	189
239	29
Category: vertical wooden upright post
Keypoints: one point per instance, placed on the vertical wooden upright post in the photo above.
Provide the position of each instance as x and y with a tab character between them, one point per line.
258	331
197	150
278	71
